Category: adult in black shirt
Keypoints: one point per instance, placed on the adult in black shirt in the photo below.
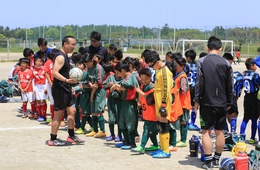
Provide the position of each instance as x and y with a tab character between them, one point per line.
95	47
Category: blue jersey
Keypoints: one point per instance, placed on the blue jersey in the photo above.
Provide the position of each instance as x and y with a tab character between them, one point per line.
251	81
192	73
238	83
153	74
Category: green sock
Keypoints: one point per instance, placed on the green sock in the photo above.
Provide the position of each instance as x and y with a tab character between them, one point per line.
112	129
101	122
145	138
83	122
131	135
184	132
95	123
154	140
119	131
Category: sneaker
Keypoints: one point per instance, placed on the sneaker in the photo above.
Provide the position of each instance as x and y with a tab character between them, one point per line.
56	142
62	124
100	134
152	148
74	139
119	145
173	149
91	134
118	139
162	154
193	127
137	139
25	116
139	149
90	130
251	141
79	131
215	163
40	119
36	117
182	144
31	116
48	120
156	152
207	166
126	147
110	138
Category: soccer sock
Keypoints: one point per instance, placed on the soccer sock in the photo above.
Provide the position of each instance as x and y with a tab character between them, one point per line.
164	141
53	137
95	123
233	125
33	107
77	119
112	129
39	109
131	135
101	122
145	137
126	137
52	111
184	132
89	119
71	132
154	140
226	127
62	117
193	117
217	156
243	126
253	128
44	108
173	137
24	107
208	158
83	122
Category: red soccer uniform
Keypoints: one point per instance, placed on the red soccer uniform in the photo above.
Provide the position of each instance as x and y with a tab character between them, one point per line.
48	67
24	77
39	75
31	63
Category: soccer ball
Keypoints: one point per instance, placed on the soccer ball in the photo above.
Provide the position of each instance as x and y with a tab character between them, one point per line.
76	73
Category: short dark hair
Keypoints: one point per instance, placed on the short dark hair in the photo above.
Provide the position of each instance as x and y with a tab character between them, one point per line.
27	52
95	35
203	54
191	53
87	57
145	71
175	55
172	67
118	67
99	56
118	54
214	43
82	50
152	57
52	54
39	57
227	56
66	39
249	62
76	57
25	60
125	66
107	67
42	41
145	53
112	47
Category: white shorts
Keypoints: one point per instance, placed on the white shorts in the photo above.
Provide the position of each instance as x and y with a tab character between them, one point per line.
50	94
29	96
39	90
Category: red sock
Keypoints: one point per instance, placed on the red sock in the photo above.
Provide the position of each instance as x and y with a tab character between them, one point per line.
62	118
44	110
33	108
24	107
52	111
39	109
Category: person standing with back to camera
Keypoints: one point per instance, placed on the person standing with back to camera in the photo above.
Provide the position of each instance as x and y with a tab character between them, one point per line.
214	95
62	93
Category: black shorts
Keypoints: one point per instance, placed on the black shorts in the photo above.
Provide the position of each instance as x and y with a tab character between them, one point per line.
212	117
233	108
62	99
192	95
251	106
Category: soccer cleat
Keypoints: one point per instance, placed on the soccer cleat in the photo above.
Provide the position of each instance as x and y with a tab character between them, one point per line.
162	154
91	134
182	144
31	116
36	117
118	139
56	142
90	130
156	152
152	148
215	163
74	139
40	119
110	138
25	116
126	147
173	148
193	127
48	120
207	166
79	131
138	149
119	145
251	141
100	134
62	124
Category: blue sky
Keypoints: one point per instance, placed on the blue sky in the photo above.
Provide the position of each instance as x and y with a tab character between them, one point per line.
200	14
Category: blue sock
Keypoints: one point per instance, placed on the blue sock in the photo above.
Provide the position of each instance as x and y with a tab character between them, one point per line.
253	128
233	125
193	117
243	126
226	128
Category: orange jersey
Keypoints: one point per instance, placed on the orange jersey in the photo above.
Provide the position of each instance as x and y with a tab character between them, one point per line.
184	96
148	111
48	67
24	78
176	107
39	75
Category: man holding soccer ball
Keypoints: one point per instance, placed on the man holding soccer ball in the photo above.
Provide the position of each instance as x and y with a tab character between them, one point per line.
62	93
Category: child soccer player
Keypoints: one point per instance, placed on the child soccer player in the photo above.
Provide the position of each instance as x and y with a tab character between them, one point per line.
117	58
28	53
114	103
192	65
40	88
111	51
95	79
251	107
146	99
162	88
25	77
128	111
181	81
168	57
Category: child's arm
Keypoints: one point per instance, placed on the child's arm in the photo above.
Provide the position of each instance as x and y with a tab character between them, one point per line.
184	85
48	79
28	85
139	91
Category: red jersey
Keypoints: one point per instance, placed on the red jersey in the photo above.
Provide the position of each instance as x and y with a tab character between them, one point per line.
39	75
48	68
31	63
24	77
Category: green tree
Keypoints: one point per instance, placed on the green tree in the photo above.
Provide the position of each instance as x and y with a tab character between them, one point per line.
165	31
2	36
53	33
241	35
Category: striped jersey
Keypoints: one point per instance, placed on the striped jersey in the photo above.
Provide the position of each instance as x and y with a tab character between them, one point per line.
251	81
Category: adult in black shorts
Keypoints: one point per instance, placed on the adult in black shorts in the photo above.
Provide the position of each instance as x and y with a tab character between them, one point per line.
214	95
62	93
